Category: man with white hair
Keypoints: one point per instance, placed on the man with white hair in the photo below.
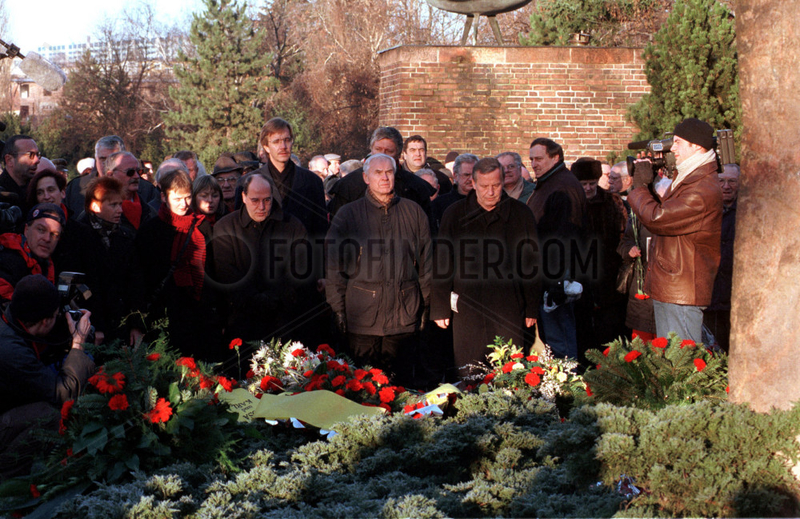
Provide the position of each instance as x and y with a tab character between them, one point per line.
379	272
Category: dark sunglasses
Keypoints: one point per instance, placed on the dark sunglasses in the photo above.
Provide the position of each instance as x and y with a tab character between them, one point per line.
131	172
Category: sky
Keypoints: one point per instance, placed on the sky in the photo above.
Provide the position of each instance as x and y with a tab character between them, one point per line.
33	23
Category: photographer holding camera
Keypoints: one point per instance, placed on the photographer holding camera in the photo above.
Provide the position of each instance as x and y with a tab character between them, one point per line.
686	223
35	376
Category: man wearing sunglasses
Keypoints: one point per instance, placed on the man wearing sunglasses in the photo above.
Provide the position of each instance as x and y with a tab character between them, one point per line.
125	167
20	159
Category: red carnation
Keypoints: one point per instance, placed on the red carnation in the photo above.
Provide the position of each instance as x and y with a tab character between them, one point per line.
630	357
508	366
359	374
153	357
700	364
607	351
65	409
327	349
205	382
532	379
235	343
532	358
370	388
380	378
340	392
118	403
188	362
538	370
588	392
688	342
271	383
386	395
659	342
308	373
250	374
641	297
226	384
517	356
338	381
161	412
489	377
298	352
354	385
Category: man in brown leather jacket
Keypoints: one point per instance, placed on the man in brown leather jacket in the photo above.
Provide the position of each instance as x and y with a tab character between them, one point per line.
686	224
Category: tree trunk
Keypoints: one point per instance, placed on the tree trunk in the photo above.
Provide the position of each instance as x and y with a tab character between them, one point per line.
765	350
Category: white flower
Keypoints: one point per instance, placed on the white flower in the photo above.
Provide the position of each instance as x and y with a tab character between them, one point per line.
518	365
561	377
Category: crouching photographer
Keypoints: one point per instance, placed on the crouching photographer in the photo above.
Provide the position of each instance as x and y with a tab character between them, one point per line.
35	376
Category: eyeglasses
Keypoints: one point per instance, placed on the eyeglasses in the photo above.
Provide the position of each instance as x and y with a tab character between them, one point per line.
31	154
131	172
277	142
227	180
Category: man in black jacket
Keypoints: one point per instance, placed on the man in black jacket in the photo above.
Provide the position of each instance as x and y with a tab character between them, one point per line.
33	392
379	272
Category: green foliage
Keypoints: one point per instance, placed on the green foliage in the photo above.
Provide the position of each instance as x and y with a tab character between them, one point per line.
692	71
222	87
553	22
653	375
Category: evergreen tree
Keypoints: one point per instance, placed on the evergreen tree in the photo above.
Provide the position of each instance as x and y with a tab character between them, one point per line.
692	71
222	87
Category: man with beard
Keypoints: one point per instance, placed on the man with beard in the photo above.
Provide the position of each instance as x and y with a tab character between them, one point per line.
20	160
486	269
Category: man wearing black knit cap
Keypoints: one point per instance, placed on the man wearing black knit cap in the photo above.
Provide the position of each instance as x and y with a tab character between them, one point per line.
33	390
687	223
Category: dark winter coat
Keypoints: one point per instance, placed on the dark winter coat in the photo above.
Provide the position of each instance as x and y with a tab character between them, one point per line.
17	261
25	379
490	260
259	274
440	205
406	185
686	224
723	282
112	274
605	225
379	265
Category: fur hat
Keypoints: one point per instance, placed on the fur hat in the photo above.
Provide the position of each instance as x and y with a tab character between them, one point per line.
587	169
34	299
697	132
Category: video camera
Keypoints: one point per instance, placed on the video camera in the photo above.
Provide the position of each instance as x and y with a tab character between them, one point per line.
74	294
723	144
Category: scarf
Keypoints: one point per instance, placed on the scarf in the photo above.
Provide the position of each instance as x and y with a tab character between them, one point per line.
190	270
18	243
104	228
691	164
132	209
516	191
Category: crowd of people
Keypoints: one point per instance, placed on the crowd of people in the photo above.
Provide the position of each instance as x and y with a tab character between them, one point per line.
400	261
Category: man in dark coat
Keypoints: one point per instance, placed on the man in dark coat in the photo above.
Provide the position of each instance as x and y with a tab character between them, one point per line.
415	157
379	272
33	391
386	140
462	177
717	317
487	268
20	159
559	208
260	266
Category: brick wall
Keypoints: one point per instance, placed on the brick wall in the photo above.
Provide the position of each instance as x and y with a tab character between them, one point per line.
491	99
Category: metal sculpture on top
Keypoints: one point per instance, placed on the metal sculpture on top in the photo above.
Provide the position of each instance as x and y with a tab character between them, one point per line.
476	8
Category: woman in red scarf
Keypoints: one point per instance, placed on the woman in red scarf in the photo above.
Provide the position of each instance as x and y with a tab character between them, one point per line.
172	253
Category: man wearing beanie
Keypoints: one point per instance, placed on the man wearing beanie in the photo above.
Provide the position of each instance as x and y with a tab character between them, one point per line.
33	391
31	251
686	224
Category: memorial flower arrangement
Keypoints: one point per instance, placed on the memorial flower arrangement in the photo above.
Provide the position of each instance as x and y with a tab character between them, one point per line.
144	409
654	374
544	375
278	367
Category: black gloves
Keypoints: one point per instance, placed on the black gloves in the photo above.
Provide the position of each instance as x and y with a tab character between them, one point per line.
642	174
